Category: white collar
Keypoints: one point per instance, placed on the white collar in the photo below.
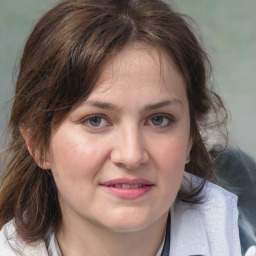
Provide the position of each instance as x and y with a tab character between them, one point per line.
209	228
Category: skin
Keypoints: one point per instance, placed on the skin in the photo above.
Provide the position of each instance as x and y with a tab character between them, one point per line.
135	124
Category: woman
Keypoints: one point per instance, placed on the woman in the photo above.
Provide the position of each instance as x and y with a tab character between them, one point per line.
110	107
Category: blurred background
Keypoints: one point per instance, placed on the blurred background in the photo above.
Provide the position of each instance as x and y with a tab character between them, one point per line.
228	32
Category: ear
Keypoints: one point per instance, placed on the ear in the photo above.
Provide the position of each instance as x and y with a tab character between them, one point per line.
189	147
42	161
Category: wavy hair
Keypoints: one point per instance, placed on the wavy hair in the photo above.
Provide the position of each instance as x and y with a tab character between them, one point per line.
62	59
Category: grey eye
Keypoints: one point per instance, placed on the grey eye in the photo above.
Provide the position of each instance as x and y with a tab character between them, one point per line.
95	121
160	120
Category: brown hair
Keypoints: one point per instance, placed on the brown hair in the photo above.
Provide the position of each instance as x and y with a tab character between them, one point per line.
62	60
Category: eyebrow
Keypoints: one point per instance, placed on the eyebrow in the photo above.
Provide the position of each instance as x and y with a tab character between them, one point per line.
113	107
103	105
162	104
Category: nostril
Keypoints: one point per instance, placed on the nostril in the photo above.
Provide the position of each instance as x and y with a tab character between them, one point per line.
121	165
129	152
126	166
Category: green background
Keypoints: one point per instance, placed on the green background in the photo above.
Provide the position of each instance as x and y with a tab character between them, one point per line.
229	34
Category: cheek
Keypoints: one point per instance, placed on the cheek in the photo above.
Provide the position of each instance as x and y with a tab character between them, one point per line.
172	151
173	165
74	157
170	157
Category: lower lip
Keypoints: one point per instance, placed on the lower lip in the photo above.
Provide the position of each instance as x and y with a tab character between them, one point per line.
131	193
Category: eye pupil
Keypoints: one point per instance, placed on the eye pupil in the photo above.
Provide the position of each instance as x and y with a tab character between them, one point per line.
95	121
157	120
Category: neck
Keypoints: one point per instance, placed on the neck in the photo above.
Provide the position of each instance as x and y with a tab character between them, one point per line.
76	240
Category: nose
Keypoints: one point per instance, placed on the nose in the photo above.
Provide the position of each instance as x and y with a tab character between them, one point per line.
130	149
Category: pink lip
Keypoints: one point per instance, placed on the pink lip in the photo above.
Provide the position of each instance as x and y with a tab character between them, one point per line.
128	193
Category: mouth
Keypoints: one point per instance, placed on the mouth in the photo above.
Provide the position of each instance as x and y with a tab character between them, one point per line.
128	189
127	186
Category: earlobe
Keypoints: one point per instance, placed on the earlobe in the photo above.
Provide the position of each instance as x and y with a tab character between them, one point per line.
187	159
26	136
190	145
42	162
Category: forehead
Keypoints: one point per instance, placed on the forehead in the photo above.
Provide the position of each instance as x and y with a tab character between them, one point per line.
139	65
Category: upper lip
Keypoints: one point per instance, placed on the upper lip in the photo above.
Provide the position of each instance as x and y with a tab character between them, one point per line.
127	181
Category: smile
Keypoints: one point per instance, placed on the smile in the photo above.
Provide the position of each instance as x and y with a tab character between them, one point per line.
127	186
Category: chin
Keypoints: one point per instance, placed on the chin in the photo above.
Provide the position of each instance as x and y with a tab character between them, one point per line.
129	222
125	227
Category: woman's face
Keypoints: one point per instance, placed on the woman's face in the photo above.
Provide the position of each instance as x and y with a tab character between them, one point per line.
118	158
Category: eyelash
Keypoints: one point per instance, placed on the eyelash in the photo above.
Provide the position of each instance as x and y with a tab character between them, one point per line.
168	119
86	121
